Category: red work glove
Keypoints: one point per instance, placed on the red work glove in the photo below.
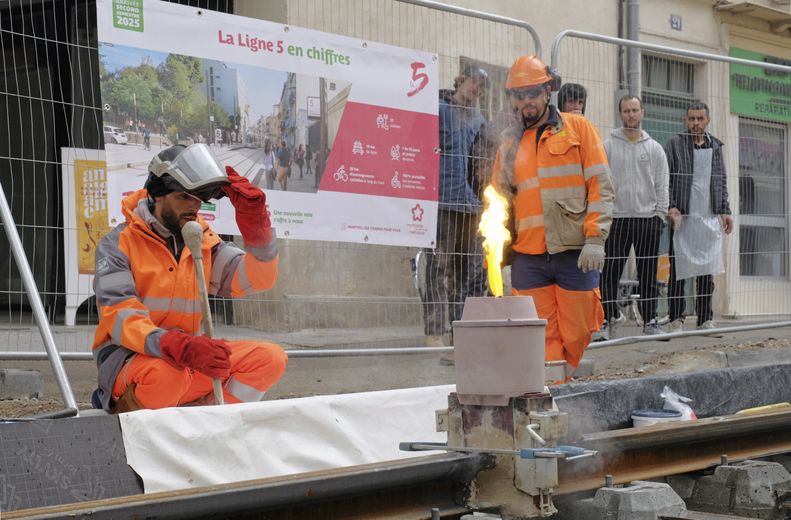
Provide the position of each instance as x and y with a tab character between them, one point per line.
250	204
200	353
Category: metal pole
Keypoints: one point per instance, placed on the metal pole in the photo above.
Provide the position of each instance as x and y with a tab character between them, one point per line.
480	14
633	53
555	52
35	302
351	352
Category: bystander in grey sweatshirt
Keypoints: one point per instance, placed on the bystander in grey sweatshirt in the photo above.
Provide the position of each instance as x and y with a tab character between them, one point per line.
639	175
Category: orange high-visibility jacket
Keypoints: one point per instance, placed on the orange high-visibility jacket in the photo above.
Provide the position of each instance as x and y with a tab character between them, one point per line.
560	188
142	291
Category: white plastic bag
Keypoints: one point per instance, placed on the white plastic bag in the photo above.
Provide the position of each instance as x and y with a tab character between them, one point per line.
698	247
676	402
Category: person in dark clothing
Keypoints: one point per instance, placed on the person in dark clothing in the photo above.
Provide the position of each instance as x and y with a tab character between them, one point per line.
698	193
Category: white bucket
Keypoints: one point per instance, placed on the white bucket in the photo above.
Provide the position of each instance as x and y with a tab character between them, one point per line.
642	418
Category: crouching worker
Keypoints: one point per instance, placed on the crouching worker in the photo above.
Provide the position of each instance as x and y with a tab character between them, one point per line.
147	345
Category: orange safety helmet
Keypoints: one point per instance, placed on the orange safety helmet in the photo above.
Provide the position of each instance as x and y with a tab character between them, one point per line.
530	70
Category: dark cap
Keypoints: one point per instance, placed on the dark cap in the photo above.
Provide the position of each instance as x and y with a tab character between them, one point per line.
477	72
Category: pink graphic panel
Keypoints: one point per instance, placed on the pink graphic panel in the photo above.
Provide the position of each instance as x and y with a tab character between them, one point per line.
384	151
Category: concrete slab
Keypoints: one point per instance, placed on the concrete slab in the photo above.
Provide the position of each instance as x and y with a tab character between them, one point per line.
51	462
20	384
753	488
640	500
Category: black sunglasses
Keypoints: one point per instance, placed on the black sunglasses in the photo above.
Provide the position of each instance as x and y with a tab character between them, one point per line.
528	92
208	193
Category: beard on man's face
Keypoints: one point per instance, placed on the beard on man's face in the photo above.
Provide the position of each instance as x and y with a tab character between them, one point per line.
171	221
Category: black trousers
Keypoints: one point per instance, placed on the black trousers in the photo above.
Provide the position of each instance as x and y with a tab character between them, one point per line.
704	290
454	270
644	235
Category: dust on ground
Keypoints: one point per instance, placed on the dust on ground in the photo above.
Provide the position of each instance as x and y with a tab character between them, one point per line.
697	358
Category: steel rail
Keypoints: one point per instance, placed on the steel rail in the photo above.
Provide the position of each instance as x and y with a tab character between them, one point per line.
404	489
674	448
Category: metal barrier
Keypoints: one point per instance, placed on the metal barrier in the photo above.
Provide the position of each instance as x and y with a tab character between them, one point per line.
49	107
755	284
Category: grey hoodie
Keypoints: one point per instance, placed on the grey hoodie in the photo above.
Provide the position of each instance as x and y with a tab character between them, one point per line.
639	175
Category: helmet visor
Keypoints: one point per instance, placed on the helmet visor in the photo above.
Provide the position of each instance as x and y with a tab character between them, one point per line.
204	193
194	168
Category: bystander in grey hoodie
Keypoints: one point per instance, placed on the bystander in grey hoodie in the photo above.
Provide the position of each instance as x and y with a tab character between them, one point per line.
639	175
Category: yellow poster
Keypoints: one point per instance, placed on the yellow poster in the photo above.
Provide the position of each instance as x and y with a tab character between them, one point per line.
90	187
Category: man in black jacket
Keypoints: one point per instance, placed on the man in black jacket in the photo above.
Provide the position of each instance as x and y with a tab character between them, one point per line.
698	187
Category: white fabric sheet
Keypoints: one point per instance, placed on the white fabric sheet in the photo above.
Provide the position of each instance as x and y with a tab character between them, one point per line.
177	448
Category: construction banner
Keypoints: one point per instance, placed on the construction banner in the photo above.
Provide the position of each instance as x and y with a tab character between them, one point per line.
85	216
341	134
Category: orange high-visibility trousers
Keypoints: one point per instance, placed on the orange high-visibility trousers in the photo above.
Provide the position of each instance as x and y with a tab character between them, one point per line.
255	367
572	318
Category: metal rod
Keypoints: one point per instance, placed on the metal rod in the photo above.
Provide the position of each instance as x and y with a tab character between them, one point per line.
352	352
192	233
628	340
483	16
657	48
35	302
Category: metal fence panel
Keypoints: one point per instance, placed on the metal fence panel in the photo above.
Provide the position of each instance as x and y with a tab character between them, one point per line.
51	99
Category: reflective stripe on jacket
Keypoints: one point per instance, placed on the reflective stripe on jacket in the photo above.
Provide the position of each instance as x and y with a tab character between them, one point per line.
142	290
560	187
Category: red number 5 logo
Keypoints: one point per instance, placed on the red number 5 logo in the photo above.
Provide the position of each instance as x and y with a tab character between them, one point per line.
419	79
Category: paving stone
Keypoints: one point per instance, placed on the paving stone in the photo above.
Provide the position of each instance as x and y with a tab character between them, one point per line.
20	384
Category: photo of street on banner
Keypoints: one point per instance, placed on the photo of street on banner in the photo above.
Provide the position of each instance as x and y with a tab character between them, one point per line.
341	134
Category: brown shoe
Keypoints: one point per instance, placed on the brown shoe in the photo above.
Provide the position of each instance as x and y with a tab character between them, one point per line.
127	402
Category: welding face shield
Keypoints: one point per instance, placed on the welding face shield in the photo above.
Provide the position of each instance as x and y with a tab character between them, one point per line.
192	169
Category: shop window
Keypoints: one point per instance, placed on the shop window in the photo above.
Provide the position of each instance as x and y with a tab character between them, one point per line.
763	224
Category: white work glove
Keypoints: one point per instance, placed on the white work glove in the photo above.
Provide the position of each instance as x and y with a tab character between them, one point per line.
591	258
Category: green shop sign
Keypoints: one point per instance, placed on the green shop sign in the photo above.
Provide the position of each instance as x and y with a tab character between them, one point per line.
757	92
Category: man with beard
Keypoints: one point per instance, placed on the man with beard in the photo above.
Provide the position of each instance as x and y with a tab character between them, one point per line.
553	168
640	175
146	344
699	213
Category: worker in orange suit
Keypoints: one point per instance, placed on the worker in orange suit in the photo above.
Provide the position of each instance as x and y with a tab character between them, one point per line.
553	168
147	345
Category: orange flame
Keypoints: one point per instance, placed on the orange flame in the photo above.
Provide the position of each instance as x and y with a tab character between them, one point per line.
496	235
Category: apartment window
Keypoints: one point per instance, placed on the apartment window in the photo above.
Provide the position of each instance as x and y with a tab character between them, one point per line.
763	225
667	91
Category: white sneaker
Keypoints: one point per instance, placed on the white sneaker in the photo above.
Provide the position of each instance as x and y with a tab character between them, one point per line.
603	334
706	325
652	328
676	326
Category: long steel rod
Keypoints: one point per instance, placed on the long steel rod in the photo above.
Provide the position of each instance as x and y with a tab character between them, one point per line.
16	355
657	48
34	298
352	352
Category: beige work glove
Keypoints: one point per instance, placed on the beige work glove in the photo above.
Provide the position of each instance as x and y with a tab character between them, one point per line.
591	258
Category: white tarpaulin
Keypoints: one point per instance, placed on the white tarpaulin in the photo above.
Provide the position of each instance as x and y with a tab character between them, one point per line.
177	448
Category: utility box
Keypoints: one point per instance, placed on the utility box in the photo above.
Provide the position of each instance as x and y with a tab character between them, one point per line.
499	350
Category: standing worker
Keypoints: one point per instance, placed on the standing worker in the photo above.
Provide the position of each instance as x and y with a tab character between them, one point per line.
553	168
146	344
454	270
640	175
